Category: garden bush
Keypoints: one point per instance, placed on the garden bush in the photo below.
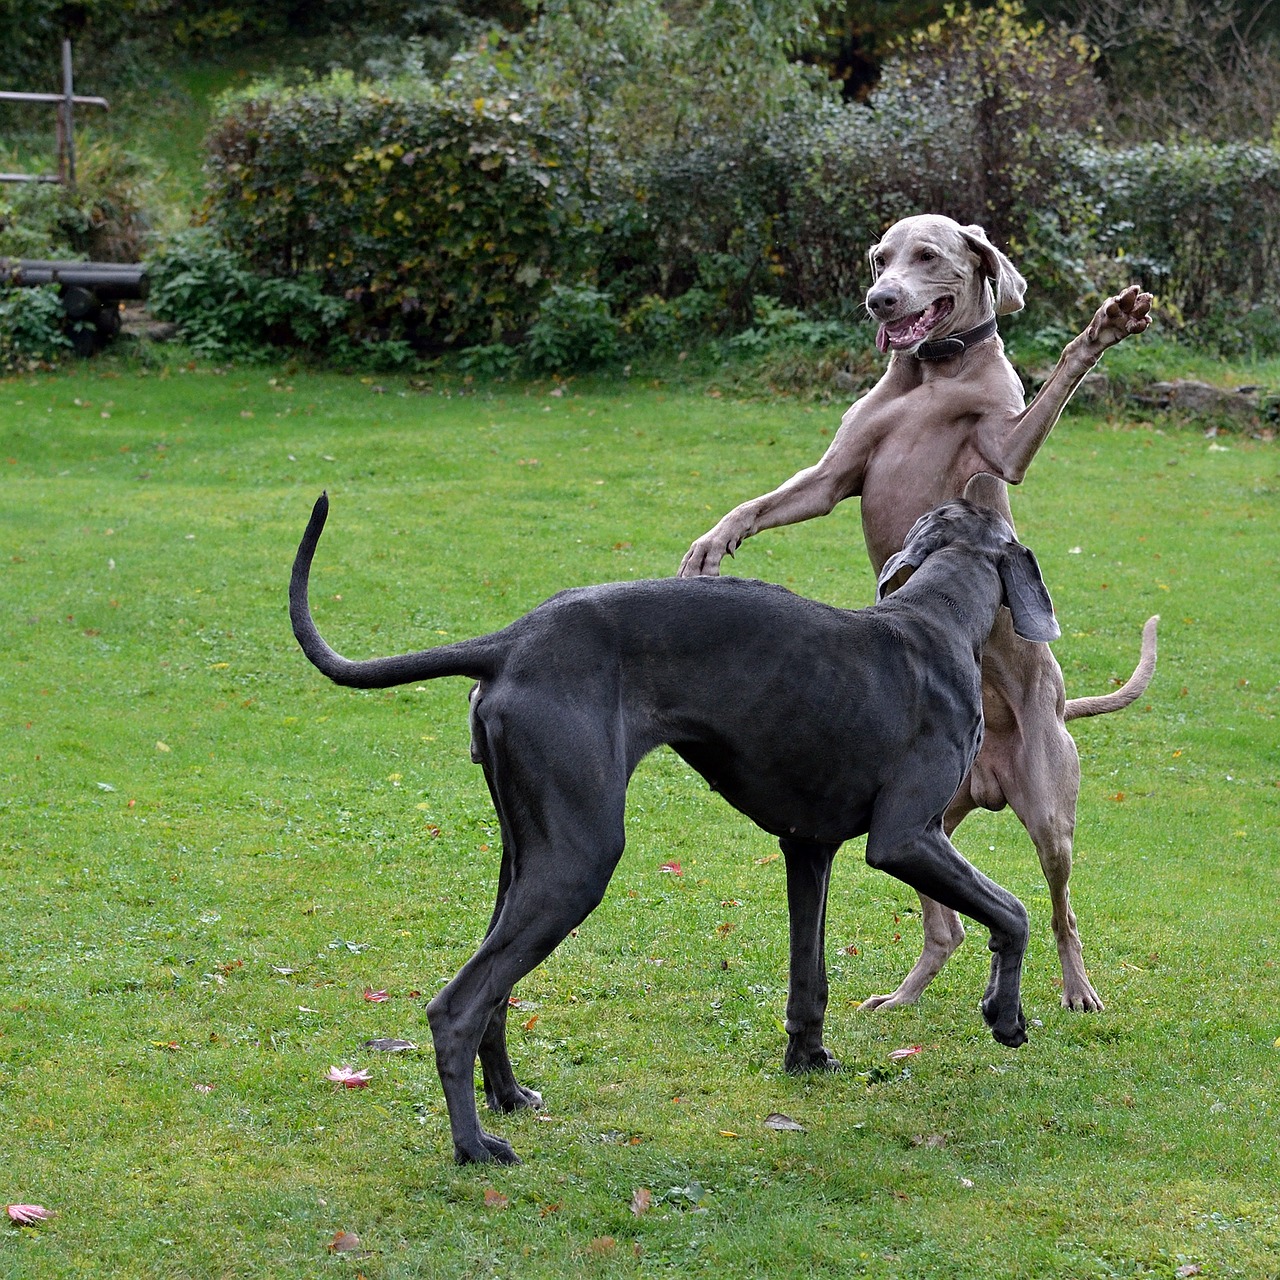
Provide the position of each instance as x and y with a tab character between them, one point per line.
1198	223
443	219
31	328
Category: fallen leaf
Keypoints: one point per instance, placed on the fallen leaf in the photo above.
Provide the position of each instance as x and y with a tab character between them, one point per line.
776	1120
533	1022
768	858
389	1044
344	1242
1188	1269
28	1215
376	997
203	1088
929	1140
348	1077
601	1246
672	868
728	1133
641	1201
163	746
910	1051
495	1199
966	1182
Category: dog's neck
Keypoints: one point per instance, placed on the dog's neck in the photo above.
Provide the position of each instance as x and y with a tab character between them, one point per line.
956	344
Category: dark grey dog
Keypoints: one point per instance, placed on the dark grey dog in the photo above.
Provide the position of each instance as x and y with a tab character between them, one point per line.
820	724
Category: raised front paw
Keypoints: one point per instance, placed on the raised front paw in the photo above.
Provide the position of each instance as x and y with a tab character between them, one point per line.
1120	317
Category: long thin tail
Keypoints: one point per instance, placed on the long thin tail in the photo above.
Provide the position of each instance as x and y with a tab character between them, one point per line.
475	658
1130	691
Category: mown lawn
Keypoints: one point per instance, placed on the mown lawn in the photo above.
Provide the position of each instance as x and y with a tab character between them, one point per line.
209	854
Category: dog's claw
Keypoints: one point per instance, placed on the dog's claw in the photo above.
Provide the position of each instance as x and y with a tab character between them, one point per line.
820	1059
492	1150
519	1100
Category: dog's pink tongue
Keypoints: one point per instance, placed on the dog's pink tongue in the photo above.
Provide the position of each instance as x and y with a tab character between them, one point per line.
882	339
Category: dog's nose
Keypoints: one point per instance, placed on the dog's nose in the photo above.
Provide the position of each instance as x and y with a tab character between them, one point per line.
883	300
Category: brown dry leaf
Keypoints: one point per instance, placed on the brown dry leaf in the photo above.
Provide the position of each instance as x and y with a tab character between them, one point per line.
602	1246
344	1242
641	1201
533	1022
495	1199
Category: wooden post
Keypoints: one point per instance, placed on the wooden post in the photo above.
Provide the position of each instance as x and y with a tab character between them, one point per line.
66	118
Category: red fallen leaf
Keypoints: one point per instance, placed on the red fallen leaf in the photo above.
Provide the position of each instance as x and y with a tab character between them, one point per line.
344	1242
672	868
533	1022
1118	797
851	950
641	1201
349	1077
910	1051
548	1209
376	997
495	1199
203	1088
29	1215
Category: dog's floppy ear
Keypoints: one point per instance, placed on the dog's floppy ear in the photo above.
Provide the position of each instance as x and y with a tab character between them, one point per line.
923	540
871	258
1010	287
1027	596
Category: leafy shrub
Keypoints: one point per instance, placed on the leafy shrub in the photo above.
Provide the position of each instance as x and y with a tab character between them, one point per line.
663	325
1198	223
225	310
574	329
31	327
441	219
106	217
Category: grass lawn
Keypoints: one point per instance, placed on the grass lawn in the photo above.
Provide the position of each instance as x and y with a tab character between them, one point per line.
210	853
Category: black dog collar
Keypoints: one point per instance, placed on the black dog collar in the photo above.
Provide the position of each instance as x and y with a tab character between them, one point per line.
957	344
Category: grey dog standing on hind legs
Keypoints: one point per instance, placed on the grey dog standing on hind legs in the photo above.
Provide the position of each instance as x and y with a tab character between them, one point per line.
820	724
947	420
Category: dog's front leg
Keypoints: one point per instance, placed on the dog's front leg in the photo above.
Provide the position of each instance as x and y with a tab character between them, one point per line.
1126	314
808	878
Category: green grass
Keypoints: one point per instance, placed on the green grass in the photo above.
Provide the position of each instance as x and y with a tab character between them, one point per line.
187	804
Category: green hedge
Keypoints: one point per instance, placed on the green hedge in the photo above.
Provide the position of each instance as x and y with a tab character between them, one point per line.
1199	223
443	218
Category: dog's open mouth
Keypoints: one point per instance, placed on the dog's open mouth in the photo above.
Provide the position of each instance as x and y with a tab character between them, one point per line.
911	331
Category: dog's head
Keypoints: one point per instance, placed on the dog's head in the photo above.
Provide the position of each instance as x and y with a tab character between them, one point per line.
933	277
987	532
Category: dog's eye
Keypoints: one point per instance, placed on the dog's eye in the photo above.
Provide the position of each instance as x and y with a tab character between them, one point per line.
927	255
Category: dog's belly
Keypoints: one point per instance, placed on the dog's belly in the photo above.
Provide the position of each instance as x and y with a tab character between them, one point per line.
789	799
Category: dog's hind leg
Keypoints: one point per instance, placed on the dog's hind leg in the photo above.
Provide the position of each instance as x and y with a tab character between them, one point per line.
560	798
502	1091
1042	791
808	879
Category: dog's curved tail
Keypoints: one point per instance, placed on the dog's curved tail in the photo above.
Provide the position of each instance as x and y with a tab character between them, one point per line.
475	658
1130	691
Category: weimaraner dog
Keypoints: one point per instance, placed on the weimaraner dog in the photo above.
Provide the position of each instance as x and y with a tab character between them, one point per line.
820	724
948	419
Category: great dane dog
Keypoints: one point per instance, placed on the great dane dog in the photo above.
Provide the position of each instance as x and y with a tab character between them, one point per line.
947	420
820	724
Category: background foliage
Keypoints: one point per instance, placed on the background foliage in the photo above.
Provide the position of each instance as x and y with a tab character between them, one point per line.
593	180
